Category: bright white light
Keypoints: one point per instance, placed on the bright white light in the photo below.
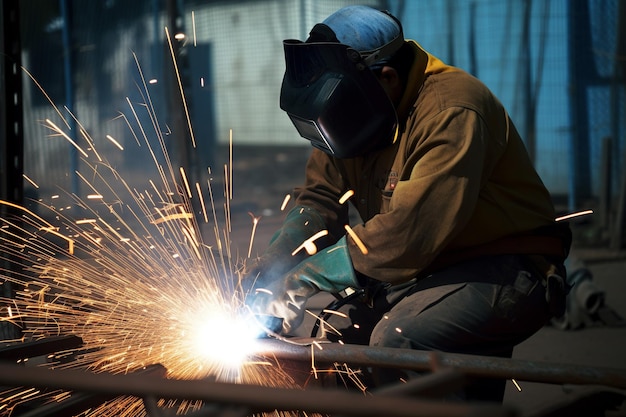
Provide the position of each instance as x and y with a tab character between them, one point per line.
223	338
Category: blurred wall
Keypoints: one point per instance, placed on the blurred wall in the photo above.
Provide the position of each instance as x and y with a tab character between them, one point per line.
231	64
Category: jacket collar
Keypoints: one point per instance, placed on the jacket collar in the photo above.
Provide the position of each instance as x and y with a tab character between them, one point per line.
424	64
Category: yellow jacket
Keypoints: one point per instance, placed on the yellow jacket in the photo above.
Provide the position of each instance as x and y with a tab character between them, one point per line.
458	177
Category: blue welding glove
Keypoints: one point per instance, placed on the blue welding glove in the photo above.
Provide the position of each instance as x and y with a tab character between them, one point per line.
300	224
329	270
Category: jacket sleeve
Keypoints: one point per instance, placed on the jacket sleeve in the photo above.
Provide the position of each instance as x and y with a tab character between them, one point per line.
323	187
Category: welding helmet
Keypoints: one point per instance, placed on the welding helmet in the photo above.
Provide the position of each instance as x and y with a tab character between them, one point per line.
329	89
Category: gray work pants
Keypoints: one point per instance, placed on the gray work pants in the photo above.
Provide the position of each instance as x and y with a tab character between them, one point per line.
485	306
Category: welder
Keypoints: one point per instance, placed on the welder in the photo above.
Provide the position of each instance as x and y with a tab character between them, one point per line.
462	252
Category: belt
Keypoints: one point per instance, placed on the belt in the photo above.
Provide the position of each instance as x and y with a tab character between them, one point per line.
548	246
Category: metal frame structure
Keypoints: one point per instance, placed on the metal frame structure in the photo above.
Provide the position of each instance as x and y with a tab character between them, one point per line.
11	133
444	373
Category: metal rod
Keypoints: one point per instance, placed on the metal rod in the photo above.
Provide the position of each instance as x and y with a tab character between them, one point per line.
258	398
470	365
31	349
81	401
11	145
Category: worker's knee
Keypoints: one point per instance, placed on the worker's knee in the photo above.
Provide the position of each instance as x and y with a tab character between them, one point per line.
423	320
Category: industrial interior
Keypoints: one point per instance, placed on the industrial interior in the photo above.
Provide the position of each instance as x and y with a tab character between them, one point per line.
144	159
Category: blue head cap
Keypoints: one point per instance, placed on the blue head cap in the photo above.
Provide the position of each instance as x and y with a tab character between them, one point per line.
373	33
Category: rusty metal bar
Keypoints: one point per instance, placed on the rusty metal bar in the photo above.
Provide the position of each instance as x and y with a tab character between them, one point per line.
470	365
31	349
257	398
81	401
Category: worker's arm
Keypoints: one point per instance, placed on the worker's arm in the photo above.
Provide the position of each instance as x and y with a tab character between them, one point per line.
329	270
300	224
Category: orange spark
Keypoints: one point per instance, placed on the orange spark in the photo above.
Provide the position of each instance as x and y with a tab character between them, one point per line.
115	142
309	244
285	201
572	215
356	239
346	196
255	221
57	129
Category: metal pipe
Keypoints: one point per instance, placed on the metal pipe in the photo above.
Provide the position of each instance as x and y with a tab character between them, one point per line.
471	365
11	145
31	349
77	403
258	398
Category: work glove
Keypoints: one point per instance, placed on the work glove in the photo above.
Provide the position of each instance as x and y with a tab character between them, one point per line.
300	224
329	270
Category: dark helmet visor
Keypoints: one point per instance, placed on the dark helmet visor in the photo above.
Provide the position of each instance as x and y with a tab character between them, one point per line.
334	100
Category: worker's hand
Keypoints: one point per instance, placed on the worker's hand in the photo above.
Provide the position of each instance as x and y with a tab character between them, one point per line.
300	224
329	270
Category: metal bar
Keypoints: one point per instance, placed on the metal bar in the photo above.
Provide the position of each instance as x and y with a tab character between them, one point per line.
23	350
11	142
81	401
67	12
258	398
580	50
470	365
